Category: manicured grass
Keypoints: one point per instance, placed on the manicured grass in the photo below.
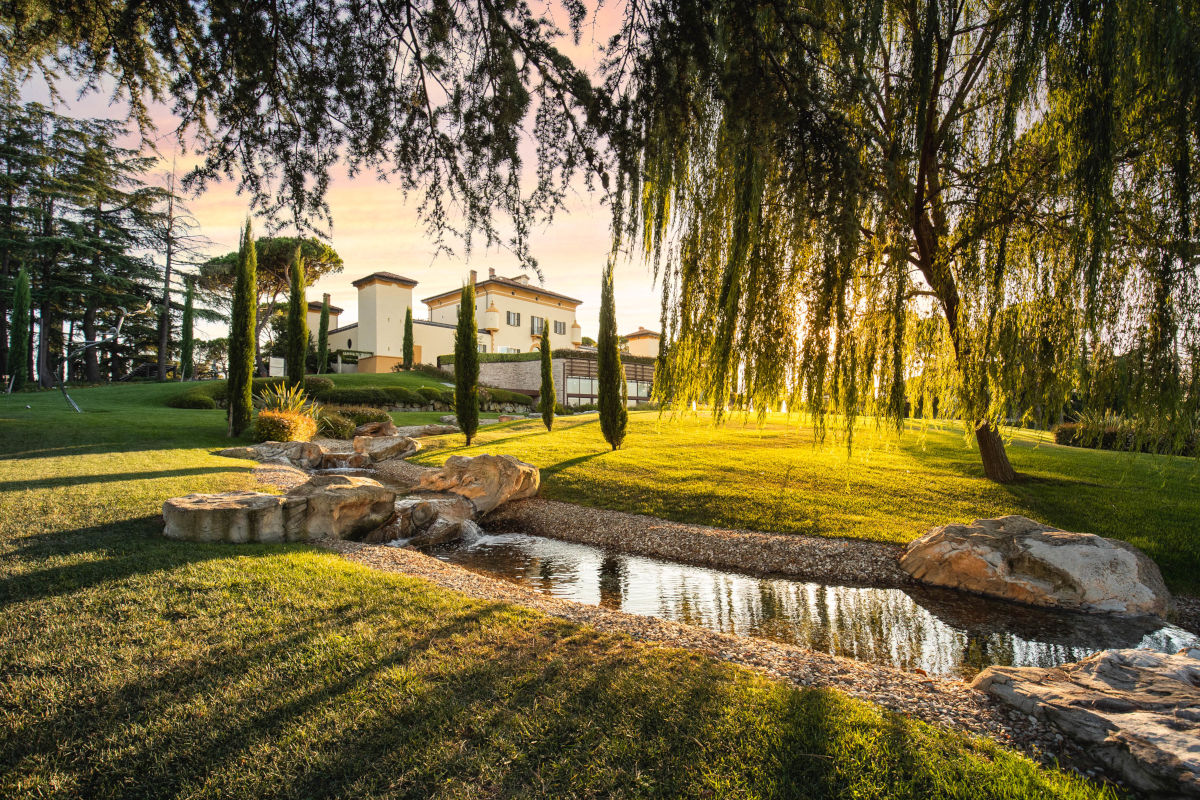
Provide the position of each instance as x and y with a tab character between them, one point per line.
131	666
411	380
887	488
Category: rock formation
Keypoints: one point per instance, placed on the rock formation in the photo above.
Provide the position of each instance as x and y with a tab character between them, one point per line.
1025	561
327	505
305	455
381	448
1137	711
487	481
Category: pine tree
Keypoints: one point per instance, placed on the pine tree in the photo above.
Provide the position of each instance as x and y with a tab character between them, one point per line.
408	338
186	342
609	372
18	348
297	325
547	398
466	365
241	336
323	337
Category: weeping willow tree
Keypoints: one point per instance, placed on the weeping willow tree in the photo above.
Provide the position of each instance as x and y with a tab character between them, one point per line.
873	204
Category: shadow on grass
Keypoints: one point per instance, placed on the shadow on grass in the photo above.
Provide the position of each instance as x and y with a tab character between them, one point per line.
114	477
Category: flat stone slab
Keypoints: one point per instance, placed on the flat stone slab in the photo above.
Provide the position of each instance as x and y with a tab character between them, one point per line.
381	448
1018	559
1138	711
234	517
305	455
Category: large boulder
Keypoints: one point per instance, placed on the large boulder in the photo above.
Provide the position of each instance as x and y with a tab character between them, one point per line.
234	517
345	461
382	448
304	455
1027	562
425	521
385	428
1135	710
487	481
344	506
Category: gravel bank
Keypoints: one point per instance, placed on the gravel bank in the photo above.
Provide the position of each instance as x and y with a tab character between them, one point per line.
845	561
939	701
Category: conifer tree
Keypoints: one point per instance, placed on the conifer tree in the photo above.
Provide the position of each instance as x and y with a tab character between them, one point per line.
186	342
408	338
241	336
609	371
547	398
18	348
466	365
323	337
297	325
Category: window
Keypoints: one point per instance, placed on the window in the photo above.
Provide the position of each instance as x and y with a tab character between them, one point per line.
457	310
510	350
514	318
537	325
349	344
560	327
483	348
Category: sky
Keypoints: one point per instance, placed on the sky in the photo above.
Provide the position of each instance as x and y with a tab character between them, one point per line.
375	228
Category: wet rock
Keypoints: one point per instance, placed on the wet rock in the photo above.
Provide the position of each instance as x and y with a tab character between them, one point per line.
1137	711
344	507
234	517
425	521
382	448
510	417
305	455
487	481
1025	561
387	428
449	419
345	461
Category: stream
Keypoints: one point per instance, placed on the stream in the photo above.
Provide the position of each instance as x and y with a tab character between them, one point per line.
940	631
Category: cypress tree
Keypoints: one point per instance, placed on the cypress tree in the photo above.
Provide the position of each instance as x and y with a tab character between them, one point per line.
18	348
547	399
323	337
466	365
186	342
408	337
610	373
242	336
297	325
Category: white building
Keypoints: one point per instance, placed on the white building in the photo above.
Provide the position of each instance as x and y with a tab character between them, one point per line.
510	312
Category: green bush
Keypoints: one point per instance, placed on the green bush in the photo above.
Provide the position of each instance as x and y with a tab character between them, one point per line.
432	371
405	397
432	394
335	425
1112	432
191	399
504	396
284	426
359	415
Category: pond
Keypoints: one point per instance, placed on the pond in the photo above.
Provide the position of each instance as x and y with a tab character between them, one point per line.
940	631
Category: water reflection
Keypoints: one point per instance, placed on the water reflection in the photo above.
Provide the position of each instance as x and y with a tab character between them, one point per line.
941	632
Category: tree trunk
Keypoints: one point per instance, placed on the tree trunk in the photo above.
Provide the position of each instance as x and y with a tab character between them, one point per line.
991	451
91	358
45	370
164	319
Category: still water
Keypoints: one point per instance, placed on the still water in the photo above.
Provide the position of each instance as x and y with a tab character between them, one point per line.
939	631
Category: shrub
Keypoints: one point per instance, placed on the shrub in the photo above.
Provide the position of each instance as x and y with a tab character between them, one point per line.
403	396
284	426
191	399
281	397
504	396
336	426
432	371
431	394
359	415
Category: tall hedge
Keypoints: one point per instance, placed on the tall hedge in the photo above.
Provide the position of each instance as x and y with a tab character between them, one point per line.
408	338
547	398
242	336
466	365
297	323
323	337
610	374
187	344
18	345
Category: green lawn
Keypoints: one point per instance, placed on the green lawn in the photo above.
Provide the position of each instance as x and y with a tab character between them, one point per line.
131	666
888	488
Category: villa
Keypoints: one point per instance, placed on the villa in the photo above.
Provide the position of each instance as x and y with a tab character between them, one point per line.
511	314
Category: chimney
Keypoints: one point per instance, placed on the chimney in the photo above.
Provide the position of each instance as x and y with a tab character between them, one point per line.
641	328
325	297
472	277
491	272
